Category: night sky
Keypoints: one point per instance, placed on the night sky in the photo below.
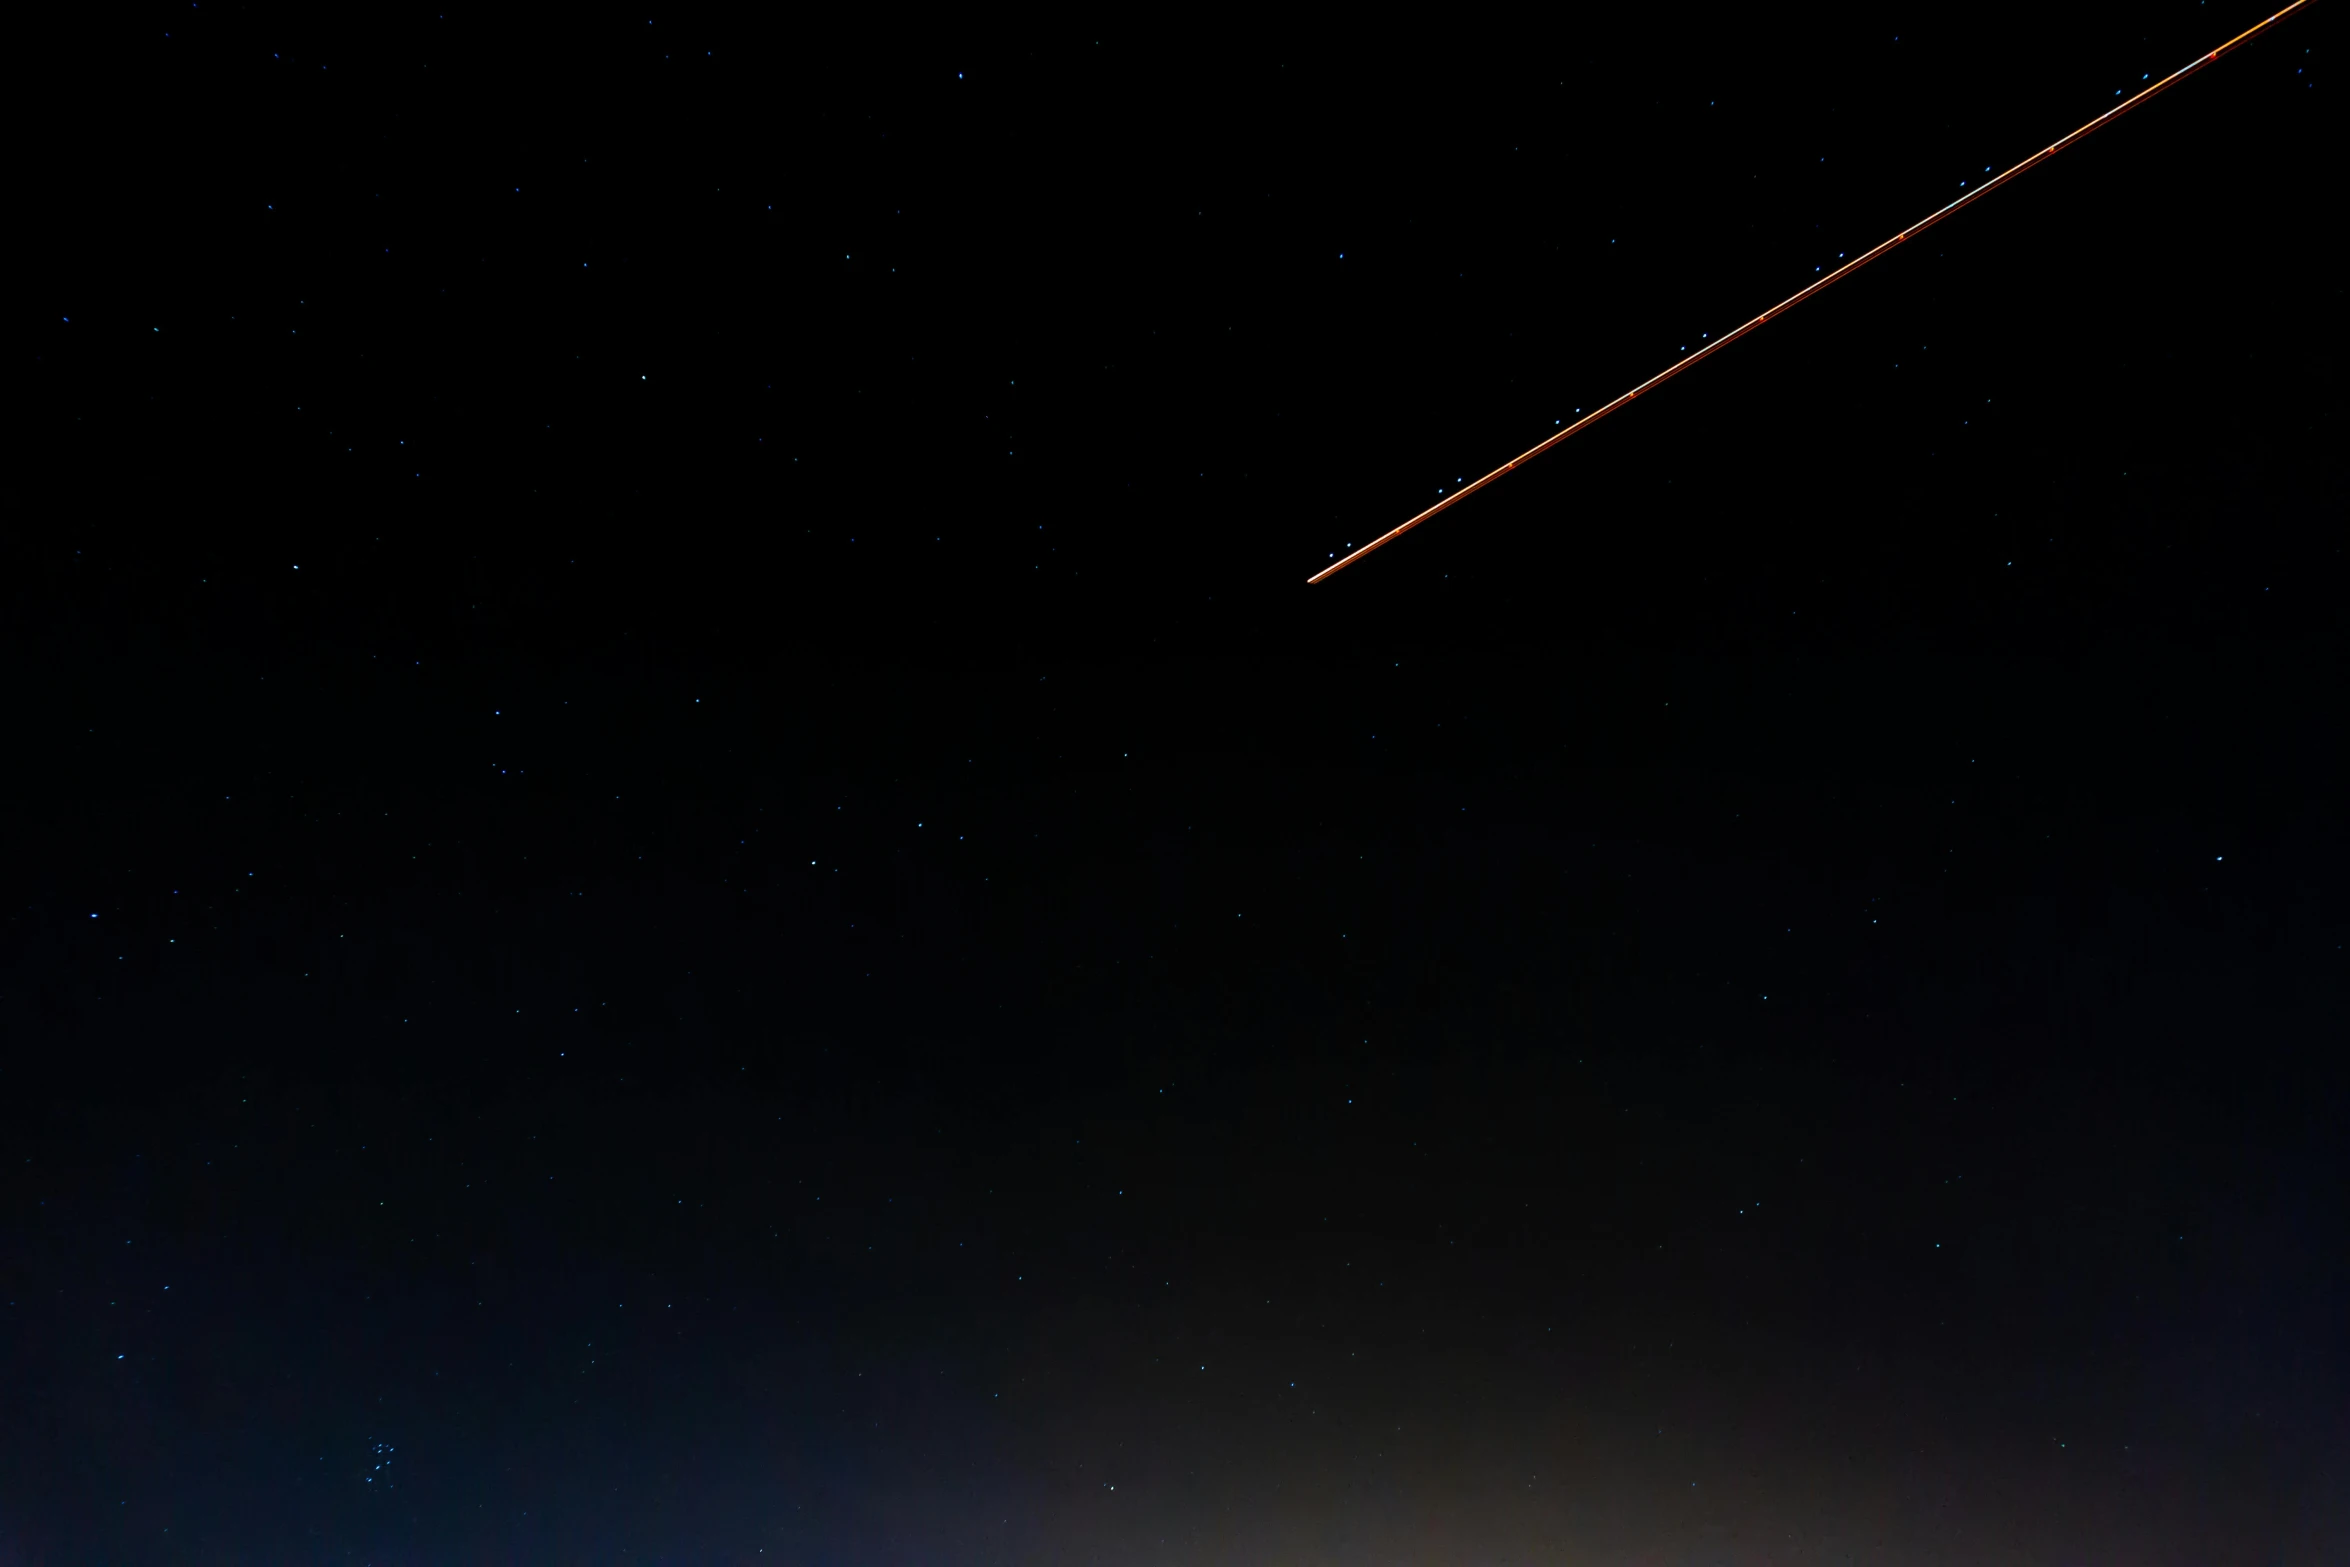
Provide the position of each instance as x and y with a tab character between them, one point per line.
687	877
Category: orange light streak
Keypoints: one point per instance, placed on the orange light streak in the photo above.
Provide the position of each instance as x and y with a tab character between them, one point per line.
1789	303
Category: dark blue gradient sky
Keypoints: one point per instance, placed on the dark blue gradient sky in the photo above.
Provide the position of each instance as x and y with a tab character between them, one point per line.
688	880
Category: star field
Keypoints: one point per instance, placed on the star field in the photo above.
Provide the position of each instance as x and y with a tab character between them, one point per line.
687	880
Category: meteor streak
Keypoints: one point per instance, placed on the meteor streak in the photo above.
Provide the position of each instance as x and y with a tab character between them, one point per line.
1789	303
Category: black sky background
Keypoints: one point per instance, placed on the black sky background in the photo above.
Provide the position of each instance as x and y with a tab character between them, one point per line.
689	879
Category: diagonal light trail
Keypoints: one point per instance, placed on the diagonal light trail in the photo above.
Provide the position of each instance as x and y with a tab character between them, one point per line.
1789	303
